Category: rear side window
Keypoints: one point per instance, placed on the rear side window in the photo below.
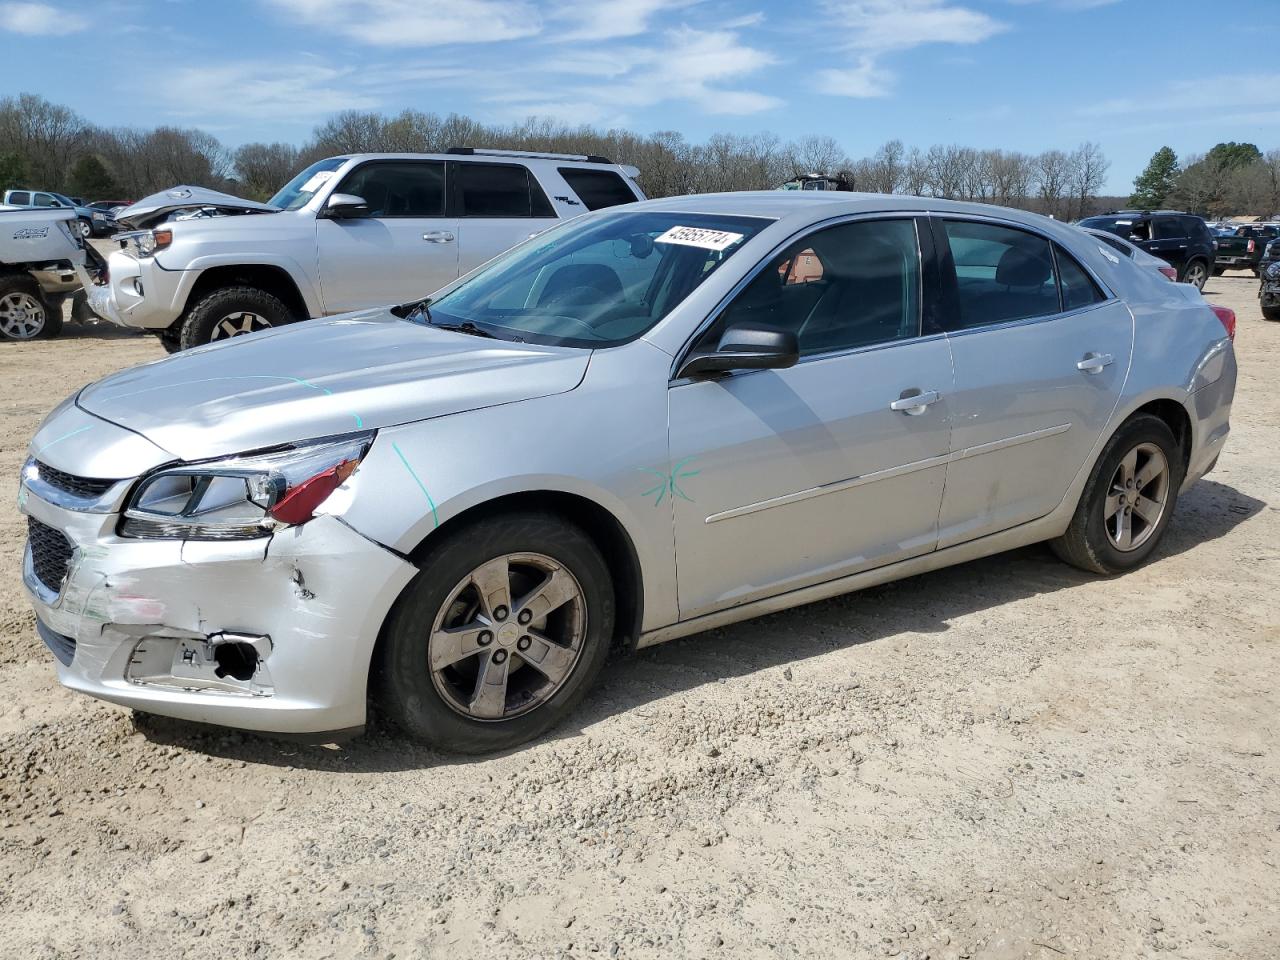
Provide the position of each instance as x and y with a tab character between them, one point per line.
1078	288
1116	245
19	198
597	188
499	190
1170	228
1002	274
399	188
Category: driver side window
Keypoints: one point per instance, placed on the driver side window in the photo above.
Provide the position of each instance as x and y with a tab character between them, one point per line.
852	285
398	188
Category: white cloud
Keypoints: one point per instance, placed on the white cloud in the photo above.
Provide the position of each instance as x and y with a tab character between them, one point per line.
867	79
605	19
874	28
418	23
883	25
1186	97
36	19
303	92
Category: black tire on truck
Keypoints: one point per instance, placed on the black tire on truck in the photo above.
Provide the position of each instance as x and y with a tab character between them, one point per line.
1271	308
230	312
24	313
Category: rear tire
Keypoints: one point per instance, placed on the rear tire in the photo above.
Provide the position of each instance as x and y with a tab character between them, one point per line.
229	312
1095	539
1196	272
1271	311
434	688
24	312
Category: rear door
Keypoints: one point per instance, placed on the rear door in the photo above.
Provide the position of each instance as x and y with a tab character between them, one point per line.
404	249
1041	353
1169	240
497	206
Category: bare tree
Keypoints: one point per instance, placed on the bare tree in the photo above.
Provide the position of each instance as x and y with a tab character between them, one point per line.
1087	174
46	136
263	168
1053	180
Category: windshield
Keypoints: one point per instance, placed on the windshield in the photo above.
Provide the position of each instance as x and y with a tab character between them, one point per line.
598	281
295	194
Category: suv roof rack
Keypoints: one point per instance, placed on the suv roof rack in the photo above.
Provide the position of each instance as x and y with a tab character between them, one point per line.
527	154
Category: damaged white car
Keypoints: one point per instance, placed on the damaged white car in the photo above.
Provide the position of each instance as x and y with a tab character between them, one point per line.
647	422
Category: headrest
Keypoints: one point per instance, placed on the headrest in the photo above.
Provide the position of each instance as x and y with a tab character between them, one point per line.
1021	268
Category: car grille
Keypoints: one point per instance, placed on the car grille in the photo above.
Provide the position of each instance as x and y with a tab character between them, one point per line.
50	553
86	487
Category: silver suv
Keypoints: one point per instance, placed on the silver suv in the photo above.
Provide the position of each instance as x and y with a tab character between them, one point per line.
347	232
645	423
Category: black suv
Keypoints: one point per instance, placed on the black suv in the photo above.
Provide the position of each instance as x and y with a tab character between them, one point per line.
1182	240
1269	271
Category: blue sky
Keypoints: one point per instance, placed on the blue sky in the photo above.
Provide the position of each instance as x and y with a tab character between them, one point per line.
1016	74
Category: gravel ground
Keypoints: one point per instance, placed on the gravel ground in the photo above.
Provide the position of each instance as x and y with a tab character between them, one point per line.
1007	759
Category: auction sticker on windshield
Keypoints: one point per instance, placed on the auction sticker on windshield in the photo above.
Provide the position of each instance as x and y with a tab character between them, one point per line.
699	237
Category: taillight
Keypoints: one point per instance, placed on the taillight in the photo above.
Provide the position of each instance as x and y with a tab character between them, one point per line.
1252	247
1169	272
1228	318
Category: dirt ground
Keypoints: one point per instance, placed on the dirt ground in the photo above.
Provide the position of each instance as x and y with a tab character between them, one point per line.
1007	759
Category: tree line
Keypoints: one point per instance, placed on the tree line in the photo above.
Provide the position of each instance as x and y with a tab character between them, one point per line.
47	145
1230	180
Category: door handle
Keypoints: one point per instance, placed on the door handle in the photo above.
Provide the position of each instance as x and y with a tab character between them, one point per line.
1095	362
438	236
915	404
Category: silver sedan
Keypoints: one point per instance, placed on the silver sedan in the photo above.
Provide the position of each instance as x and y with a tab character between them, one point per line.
647	422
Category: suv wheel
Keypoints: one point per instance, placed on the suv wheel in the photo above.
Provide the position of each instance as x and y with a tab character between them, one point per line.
1128	500
499	636
84	228
24	315
231	312
1271	308
1195	273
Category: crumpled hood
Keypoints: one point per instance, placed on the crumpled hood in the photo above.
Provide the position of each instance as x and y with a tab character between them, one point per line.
322	378
185	198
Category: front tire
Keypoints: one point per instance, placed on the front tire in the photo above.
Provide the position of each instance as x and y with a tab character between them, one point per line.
84	228
1271	310
499	636
231	312
1128	500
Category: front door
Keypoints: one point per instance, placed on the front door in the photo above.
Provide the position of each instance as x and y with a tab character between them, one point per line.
784	478
405	248
1041	354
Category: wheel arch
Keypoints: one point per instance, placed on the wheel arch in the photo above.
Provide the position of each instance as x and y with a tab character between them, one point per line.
605	530
271	278
1175	416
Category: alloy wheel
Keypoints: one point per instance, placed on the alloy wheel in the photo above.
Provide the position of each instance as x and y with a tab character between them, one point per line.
237	324
84	229
507	637
21	316
1136	498
1197	275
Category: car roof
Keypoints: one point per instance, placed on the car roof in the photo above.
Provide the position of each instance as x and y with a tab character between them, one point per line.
779	204
481	157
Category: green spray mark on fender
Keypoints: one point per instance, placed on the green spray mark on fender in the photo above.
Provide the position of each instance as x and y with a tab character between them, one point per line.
670	482
435	517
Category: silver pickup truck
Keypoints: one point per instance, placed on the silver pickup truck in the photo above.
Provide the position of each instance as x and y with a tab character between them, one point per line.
346	233
43	260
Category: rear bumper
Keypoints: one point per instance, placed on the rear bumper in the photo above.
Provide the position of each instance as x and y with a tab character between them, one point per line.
1210	409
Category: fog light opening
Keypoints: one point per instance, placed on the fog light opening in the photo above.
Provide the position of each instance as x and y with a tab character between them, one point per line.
236	660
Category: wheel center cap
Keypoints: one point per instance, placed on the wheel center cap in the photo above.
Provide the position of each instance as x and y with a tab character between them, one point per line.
508	634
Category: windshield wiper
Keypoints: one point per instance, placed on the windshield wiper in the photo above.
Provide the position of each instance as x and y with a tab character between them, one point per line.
466	326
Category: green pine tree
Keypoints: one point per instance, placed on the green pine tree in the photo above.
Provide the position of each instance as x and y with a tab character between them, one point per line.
1154	184
90	179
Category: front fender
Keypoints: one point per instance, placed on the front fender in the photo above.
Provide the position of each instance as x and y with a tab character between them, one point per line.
301	278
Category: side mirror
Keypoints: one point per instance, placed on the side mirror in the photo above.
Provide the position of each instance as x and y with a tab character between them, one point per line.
746	346
345	206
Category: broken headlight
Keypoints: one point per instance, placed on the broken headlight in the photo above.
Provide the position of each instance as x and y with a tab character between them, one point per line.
145	243
242	497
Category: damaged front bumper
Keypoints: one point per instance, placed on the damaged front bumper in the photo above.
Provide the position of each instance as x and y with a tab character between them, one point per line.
274	634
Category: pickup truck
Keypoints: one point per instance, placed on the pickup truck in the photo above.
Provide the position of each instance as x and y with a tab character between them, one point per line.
1243	249
43	260
88	221
346	233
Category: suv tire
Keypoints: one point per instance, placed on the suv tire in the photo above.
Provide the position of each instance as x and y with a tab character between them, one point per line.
229	312
20	296
1154	464
435	691
1196	272
1271	311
